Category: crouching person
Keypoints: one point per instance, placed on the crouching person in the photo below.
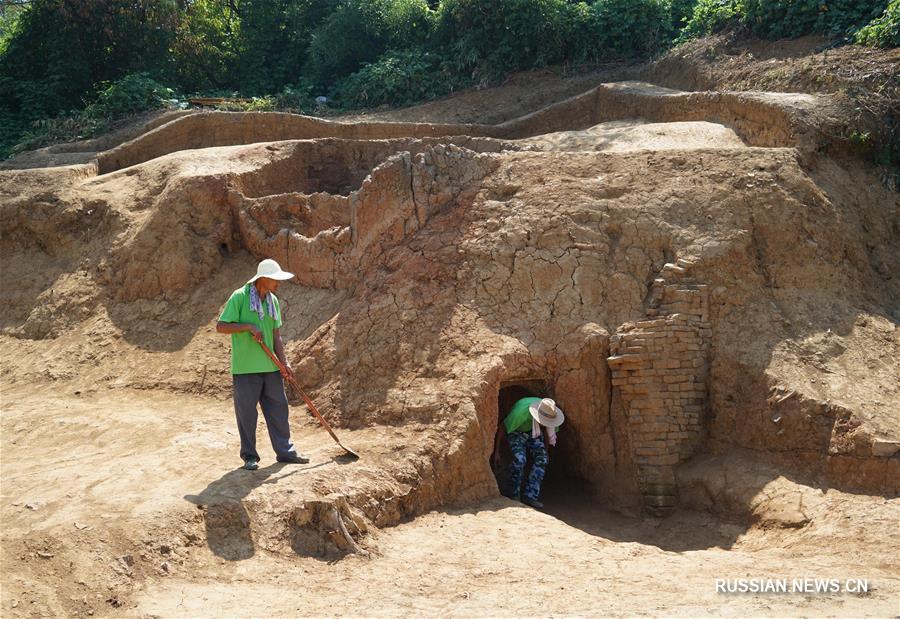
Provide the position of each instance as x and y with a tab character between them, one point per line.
530	425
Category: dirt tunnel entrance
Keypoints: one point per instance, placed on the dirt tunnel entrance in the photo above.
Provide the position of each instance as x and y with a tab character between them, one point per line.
582	468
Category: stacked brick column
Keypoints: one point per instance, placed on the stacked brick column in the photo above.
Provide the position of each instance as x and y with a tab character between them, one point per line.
659	366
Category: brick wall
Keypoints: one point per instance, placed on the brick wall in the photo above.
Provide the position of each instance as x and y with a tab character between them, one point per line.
660	366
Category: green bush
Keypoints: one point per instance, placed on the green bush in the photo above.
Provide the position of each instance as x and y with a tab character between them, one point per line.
883	31
346	39
711	16
631	28
407	23
398	78
681	11
488	38
129	95
775	19
298	98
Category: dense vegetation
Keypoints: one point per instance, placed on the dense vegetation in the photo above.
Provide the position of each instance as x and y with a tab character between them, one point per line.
68	68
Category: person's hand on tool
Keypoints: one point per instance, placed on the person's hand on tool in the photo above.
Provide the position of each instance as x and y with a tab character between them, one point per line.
256	333
287	373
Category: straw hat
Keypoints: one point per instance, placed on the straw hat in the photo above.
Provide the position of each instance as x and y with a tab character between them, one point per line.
271	269
547	413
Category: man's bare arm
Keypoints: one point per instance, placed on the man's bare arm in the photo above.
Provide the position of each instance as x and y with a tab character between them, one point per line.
279	347
239	327
279	352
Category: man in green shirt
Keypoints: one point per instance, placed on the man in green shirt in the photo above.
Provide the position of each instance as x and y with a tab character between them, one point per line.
526	425
253	316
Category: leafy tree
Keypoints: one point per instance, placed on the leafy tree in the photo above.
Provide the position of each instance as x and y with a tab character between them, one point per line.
273	41
631	28
776	19
61	48
490	37
346	39
205	50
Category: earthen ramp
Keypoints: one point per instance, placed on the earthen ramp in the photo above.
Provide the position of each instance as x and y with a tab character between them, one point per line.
690	275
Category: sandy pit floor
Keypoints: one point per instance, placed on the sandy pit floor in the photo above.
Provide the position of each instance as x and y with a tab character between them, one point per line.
94	522
498	558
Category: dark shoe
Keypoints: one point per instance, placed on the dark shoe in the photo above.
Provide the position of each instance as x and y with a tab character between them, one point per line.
250	464
533	503
298	459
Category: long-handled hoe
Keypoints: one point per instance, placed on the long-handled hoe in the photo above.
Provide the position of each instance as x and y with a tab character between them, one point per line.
309	403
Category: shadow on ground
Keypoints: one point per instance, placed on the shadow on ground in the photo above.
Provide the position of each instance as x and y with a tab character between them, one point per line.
571	502
227	522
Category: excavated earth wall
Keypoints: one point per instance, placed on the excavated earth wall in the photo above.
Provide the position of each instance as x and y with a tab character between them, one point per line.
657	294
760	119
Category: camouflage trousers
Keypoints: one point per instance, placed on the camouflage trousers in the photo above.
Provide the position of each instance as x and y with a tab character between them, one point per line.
522	445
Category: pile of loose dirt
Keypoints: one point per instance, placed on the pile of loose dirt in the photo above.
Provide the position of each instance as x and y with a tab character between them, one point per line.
709	296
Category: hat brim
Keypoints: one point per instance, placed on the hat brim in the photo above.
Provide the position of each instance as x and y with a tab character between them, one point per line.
558	419
280	276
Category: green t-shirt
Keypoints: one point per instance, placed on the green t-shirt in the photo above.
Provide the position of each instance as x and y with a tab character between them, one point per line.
248	357
519	419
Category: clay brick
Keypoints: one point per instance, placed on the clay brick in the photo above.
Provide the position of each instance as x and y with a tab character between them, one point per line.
646	452
617	361
655	427
675	378
669	459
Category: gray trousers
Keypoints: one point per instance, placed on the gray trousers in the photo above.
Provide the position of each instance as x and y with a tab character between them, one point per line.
266	389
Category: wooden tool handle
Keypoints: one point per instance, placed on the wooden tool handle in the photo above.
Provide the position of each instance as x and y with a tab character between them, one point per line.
309	403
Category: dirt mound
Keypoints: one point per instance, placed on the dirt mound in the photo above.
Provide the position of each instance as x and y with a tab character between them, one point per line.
736	293
862	82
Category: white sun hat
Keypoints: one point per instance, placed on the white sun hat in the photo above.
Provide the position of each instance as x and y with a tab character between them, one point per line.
271	269
547	413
